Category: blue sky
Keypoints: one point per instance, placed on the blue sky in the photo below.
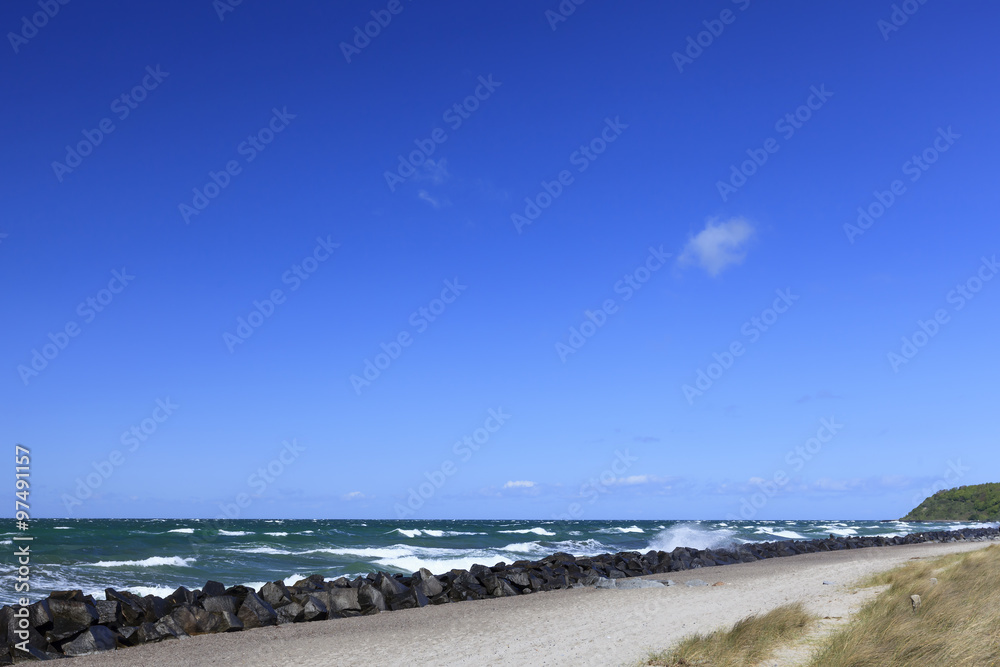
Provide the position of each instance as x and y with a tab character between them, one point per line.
475	206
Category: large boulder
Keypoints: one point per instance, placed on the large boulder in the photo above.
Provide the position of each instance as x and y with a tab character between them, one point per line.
371	599
275	593
213	588
292	612
340	601
69	618
131	605
109	613
224	621
94	639
256	613
220	603
427	583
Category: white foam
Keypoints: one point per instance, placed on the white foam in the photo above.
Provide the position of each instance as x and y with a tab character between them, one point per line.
277	534
834	529
143	591
152	561
234	533
181	530
524	547
790	534
62	528
265	550
619	529
523	531
693	537
408	533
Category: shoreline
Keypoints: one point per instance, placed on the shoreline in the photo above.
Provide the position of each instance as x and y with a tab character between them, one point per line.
71	623
584	626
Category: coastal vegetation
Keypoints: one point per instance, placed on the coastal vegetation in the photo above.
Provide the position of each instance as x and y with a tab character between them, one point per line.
980	502
956	621
747	643
944	611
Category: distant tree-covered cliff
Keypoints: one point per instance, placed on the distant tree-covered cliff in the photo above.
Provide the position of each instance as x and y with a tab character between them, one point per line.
980	502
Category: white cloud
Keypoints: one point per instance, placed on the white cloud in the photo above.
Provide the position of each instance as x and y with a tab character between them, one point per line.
354	495
719	245
426	196
518	485
434	171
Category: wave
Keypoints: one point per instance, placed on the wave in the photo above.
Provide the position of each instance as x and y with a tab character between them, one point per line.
523	531
234	533
619	529
430	532
152	561
790	534
181	530
277	534
61	528
692	536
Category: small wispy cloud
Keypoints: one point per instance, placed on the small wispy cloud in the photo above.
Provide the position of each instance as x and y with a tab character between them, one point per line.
521	484
434	171
719	245
426	196
354	495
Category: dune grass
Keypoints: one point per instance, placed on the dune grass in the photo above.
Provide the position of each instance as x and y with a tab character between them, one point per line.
957	623
749	641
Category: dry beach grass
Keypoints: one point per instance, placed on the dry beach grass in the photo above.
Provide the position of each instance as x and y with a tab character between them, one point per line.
567	627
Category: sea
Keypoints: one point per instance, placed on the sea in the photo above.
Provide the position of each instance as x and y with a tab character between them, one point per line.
155	556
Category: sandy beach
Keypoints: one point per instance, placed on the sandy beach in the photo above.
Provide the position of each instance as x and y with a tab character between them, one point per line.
568	627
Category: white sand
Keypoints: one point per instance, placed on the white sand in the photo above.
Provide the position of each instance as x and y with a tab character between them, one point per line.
572	627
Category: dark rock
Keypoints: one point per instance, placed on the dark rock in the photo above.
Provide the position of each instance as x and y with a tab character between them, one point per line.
340	600
220	603
69	618
40	616
109	613
371	599
148	633
189	619
256	613
181	596
292	612
275	593
313	609
94	639
132	609
225	621
389	586
170	625
240	593
155	607
213	589
427	583
69	596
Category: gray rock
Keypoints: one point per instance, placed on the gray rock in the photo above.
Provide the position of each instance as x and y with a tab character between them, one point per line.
829	583
696	582
69	618
220	603
93	639
255	613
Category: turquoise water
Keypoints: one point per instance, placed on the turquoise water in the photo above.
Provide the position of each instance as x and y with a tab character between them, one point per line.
156	556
